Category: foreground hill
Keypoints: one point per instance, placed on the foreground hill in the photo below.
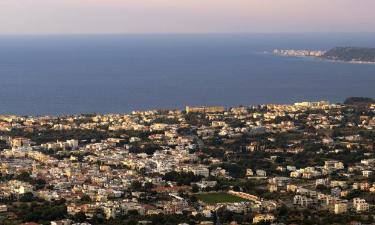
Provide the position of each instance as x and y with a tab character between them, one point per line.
351	54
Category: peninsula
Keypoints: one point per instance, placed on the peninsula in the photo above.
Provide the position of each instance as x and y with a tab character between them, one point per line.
342	54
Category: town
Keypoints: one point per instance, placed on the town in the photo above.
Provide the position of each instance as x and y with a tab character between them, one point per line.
298	53
302	163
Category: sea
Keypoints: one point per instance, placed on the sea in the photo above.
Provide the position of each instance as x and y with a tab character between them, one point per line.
75	74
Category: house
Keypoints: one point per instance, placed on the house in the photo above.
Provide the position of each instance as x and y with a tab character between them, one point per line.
279	181
249	172
3	208
263	217
333	165
261	173
19	142
340	207
302	200
272	188
360	205
336	192
201	171
367	173
291	188
291	168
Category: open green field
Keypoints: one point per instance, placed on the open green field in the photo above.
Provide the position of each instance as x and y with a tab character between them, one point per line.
214	198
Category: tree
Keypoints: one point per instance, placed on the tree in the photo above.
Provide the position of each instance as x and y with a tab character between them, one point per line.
148	186
79	217
25	177
39	184
235	170
194	188
27	197
85	198
182	178
41	212
136	185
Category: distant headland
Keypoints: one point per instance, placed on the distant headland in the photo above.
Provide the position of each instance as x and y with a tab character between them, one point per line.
340	54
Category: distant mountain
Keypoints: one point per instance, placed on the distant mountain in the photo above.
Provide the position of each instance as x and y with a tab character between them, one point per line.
351	54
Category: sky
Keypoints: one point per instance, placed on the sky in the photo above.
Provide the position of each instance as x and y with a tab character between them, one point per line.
185	16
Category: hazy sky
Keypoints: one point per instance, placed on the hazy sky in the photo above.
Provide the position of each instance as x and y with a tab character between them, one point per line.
124	16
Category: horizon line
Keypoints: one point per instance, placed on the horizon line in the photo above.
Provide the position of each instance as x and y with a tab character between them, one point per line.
182	33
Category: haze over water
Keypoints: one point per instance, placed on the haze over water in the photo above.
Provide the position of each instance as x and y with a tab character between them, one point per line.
57	75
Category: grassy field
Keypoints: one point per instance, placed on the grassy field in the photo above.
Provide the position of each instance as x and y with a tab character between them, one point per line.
214	198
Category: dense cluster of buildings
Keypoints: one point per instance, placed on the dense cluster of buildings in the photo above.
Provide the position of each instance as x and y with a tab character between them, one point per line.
298	53
313	156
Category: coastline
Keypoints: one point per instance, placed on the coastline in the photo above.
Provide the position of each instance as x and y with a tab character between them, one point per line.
324	59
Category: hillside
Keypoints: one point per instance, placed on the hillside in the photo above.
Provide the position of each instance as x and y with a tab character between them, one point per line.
359	101
351	54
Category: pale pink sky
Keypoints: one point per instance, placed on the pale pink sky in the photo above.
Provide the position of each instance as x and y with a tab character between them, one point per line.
149	16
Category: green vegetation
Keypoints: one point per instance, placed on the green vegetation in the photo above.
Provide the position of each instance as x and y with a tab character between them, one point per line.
358	101
165	120
182	178
3	145
44	136
214	198
351	54
40	211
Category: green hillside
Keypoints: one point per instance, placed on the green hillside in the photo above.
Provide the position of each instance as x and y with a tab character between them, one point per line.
351	54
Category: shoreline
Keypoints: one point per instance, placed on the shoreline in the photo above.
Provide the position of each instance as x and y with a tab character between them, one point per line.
325	59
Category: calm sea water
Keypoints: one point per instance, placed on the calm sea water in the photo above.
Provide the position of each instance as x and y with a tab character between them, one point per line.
103	74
